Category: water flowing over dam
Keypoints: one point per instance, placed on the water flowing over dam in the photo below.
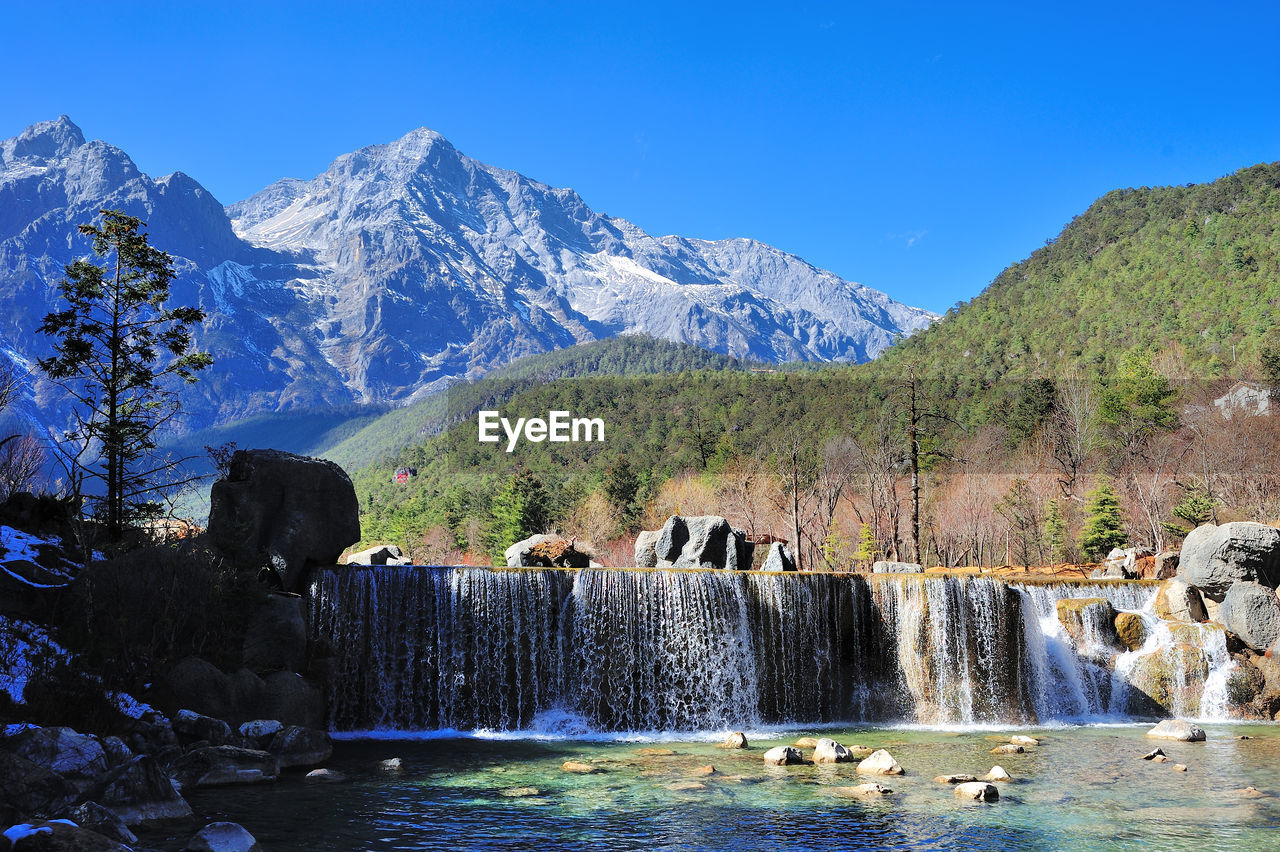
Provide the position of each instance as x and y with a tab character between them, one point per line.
462	648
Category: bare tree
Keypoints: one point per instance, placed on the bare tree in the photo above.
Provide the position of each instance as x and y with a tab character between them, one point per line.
1074	432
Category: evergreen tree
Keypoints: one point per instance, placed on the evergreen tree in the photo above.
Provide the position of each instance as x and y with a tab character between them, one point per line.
866	551
116	346
1055	532
1103	528
621	486
518	510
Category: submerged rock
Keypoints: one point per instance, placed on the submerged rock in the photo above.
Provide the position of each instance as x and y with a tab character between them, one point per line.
880	763
955	779
222	837
298	746
520	792
578	767
870	790
1023	740
1215	557
1177	729
330	775
830	751
391	764
978	791
1179	767
783	756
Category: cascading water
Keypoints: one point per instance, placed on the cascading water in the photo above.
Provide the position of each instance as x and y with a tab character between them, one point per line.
425	648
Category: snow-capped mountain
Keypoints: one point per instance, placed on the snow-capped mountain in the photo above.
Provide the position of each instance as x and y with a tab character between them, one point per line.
407	266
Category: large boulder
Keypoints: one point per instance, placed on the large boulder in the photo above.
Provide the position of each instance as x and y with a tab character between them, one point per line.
646	544
140	791
1167	678
195	727
382	554
103	820
222	837
783	756
1252	612
1130	630
830	751
1166	564
276	636
215	766
702	541
1214	557
289	698
77	757
196	685
28	788
886	566
879	763
1177	729
1090	622
284	511
299	746
977	791
778	558
59	836
1177	600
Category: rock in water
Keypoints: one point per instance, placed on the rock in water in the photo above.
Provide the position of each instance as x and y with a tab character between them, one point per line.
830	751
888	567
58	836
259	732
1130	630
1177	729
392	764
783	756
1152	755
778	558
997	773
284	511
329	775
880	763
578	767
1008	748
1179	601
1023	740
222	837
870	790
735	740
299	746
103	820
1252	612
1090	622
1213	558
978	791
955	779
215	766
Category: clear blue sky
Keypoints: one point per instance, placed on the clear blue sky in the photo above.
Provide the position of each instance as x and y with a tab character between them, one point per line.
914	147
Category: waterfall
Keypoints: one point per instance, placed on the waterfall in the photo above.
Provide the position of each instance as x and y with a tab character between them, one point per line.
460	648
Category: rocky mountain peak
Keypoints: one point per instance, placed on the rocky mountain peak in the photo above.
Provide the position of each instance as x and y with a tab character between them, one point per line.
45	140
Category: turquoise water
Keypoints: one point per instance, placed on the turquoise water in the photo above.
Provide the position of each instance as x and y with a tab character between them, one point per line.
1082	788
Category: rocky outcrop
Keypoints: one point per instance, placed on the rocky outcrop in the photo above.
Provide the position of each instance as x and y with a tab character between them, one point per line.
783	756
77	757
778	558
705	541
1177	729
1166	564
889	567
1252	612
1176	600
222	837
1215	557
276	637
283	512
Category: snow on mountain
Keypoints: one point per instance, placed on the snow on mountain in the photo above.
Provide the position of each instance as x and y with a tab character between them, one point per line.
407	266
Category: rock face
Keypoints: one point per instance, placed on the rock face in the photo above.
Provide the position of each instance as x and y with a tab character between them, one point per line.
1252	612
276	636
1166	564
1178	601
778	558
783	756
706	541
880	763
1177	729
1215	557
285	512
887	567
222	837
830	751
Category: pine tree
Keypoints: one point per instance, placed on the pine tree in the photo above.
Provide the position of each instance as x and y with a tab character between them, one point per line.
866	544
116	350
1103	528
621	486
1055	532
518	510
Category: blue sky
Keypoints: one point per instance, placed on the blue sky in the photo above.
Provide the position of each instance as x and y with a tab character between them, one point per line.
918	148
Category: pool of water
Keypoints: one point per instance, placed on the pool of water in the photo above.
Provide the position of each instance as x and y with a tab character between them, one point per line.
1082	788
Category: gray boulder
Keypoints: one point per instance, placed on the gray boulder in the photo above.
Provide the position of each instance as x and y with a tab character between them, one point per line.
260	732
704	541
222	837
646	544
1214	557
140	791
1167	564
216	766
887	567
276	636
517	555
1176	600
299	746
195	727
382	554
783	756
77	757
28	788
285	512
1252	612
1177	729
103	820
778	558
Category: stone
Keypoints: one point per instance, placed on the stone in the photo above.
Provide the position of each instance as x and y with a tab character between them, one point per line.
778	558
1130	630
1152	755
117	751
299	746
1179	767
880	763
977	791
655	752
30	788
1023	740
704	541
955	779
1166	565
1090	622
830	751
150	734
103	820
391	764
328	775
806	742
275	638
217	766
192	727
1215	557
1177	729
289	698
60	836
382	554
646	541
783	756
520	792
737	739
703	771
869	790
885	566
260	732
140	791
1252	612
1111	571
77	757
997	773
577	767
1167	678
197	685
222	837
1008	748
285	512
546	551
